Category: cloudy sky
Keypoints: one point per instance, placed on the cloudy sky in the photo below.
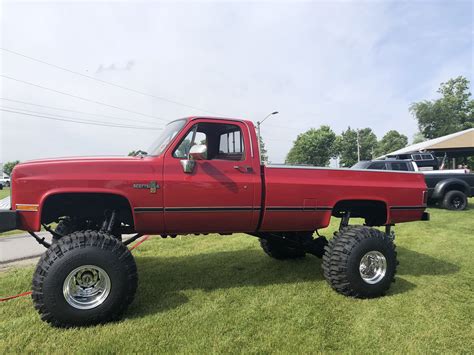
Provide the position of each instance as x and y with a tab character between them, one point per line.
342	63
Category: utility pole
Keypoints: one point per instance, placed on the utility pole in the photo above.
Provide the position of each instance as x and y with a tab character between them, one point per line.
258	130
358	146
260	122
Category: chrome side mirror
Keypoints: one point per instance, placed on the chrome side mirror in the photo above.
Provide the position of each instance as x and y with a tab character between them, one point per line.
188	165
198	152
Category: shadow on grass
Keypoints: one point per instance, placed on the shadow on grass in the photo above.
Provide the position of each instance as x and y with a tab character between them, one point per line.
418	264
162	280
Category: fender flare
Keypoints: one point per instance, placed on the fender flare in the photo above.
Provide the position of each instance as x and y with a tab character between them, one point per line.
443	185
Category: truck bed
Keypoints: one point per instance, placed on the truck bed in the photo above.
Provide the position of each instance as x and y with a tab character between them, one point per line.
308	196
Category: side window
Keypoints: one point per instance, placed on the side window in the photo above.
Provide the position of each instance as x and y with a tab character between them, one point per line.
416	156
377	166
193	137
223	141
231	144
427	157
400	166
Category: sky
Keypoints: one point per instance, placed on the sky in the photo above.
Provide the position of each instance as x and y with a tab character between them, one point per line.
339	63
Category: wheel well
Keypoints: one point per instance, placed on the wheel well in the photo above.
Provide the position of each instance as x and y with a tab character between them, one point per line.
374	212
85	206
455	186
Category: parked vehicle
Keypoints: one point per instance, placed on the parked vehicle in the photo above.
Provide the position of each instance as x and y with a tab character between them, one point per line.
387	164
424	160
4	181
450	190
203	175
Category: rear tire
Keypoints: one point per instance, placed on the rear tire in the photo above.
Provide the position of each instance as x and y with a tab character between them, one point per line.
85	278
360	262
454	200
278	250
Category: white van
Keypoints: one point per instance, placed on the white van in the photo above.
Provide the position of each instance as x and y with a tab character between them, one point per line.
4	181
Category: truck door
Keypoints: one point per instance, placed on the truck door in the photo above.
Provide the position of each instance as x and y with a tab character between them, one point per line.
221	193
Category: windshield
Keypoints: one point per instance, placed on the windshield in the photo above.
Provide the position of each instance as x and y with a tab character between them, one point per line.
170	131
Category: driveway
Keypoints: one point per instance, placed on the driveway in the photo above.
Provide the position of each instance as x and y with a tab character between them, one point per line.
21	246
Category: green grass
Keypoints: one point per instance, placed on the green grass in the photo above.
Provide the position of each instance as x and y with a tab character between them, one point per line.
4	192
222	294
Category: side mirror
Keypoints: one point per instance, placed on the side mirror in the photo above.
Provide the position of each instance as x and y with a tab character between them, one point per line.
198	152
188	165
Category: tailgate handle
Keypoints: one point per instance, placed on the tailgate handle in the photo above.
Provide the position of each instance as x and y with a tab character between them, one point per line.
243	168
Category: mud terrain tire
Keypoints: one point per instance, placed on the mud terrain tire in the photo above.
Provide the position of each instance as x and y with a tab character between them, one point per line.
107	275
360	262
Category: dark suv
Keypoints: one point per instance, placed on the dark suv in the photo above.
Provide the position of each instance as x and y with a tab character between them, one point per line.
386	164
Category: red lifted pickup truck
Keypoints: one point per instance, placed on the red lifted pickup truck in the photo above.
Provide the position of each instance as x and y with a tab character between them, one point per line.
203	175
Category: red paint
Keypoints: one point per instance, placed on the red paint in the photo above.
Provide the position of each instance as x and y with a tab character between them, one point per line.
217	185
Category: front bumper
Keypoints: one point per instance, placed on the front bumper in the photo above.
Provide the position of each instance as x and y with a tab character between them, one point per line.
8	220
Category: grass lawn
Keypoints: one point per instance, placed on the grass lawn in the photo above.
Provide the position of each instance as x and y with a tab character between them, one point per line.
4	192
222	294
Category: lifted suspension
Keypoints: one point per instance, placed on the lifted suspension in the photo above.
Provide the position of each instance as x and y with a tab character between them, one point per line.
313	246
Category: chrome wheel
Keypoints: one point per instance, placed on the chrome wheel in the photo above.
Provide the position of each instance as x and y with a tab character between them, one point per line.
372	267
86	287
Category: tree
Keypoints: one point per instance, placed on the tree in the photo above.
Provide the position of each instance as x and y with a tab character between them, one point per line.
346	146
263	151
391	141
453	112
314	147
8	166
418	138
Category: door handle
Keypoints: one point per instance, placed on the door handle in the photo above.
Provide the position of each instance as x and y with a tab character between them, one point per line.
243	168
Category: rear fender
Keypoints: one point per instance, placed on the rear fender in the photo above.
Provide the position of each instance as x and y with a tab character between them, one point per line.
449	184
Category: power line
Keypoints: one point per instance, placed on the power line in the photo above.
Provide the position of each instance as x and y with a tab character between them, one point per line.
68	119
68	110
109	83
75	118
81	98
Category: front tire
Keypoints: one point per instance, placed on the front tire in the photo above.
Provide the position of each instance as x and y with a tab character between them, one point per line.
455	201
360	262
85	278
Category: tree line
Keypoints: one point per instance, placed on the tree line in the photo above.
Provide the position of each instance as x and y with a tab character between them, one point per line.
452	112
